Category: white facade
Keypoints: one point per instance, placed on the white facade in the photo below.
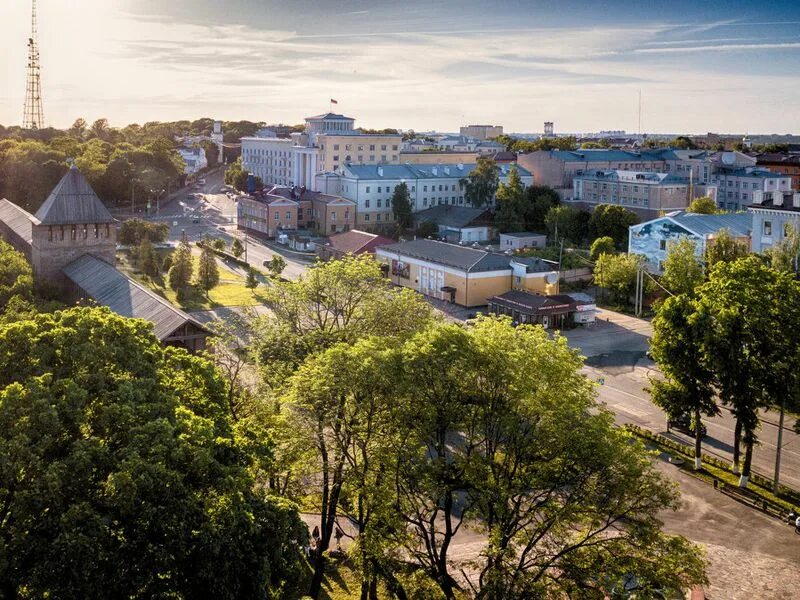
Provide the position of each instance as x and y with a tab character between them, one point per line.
774	214
278	161
525	239
195	159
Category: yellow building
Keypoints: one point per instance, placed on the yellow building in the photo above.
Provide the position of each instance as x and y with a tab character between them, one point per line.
357	149
463	275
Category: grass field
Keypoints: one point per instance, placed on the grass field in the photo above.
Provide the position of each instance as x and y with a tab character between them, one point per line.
231	290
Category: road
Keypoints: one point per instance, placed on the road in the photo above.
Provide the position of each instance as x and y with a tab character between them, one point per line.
615	354
206	210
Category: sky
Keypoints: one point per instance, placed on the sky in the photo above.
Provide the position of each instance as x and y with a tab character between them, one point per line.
711	65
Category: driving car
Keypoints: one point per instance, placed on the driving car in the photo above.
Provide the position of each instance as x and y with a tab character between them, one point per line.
683	423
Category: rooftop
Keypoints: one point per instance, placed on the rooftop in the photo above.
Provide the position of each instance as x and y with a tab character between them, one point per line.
330	116
355	241
526	301
642	177
18	220
412	171
448	215
73	201
126	297
611	154
739	224
464	258
522	234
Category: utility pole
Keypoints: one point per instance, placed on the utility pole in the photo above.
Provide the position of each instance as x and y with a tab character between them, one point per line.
776	480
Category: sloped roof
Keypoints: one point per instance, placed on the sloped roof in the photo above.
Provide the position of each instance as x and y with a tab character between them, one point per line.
107	286
448	215
463	258
73	201
18	220
356	241
739	224
412	171
330	116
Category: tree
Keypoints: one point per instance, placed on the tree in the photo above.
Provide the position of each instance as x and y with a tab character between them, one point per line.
237	249
617	273
207	269
567	222
78	128
180	273
538	468
148	261
427	229
703	206
276	265
16	276
238	178
602	245
122	474
725	248
683	271
401	207
539	199
783	256
481	183
218	244
509	215
679	331
337	301
613	221
252	279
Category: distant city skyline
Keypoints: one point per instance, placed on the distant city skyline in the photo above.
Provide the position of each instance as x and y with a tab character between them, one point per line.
714	66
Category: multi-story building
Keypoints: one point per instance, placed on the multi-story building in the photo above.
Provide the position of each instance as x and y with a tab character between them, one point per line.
783	164
328	143
457	143
645	193
774	215
737	177
194	158
652	238
283	208
371	187
482	132
558	168
464	275
433	157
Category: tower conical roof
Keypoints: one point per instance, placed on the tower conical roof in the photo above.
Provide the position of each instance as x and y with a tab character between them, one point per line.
73	201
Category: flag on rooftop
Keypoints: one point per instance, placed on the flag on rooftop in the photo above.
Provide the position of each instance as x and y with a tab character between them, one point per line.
334	101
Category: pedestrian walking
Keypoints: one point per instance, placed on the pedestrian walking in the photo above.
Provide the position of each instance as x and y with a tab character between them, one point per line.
315	534
338	534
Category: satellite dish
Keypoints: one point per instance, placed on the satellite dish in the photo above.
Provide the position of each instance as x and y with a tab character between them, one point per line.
728	158
551	278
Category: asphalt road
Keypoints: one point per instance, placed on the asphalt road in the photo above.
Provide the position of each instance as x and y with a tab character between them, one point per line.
615	354
206	210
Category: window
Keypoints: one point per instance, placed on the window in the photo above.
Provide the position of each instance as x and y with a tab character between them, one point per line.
394	147
74	233
366	203
366	217
288	216
379	202
424	188
372	147
378	217
277	216
383	158
333	228
335	158
361	147
368	189
361	158
767	230
336	146
348	147
333	216
662	244
371	158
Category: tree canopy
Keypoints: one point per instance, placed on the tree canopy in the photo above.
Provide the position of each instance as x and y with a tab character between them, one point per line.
122	475
481	183
401	206
703	206
613	221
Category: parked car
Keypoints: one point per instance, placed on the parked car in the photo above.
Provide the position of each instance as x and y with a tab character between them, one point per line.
683	423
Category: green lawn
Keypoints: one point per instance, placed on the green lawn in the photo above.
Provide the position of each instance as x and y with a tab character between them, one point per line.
231	290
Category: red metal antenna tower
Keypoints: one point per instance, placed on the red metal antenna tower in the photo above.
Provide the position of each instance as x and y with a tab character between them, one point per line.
34	115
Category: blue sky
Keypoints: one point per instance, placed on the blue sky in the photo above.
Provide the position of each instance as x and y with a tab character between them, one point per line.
701	66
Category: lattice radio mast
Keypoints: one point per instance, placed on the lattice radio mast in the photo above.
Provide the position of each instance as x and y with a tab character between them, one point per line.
34	115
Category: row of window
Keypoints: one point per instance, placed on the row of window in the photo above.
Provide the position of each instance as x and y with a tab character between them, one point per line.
75	231
384	147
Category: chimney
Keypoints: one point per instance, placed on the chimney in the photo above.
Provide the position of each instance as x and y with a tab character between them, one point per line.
777	198
435	170
380	171
758	197
796	200
447	170
460	166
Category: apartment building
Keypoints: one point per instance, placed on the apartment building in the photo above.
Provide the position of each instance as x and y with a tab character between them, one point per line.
774	216
558	168
327	144
463	275
645	193
482	132
737	177
783	164
371	187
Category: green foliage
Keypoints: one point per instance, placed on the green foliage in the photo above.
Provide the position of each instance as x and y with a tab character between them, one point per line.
509	215
207	269
613	221
513	144
567	222
401	206
725	248
252	280
427	229
617	273
783	256
703	206
539	199
602	245
481	183
276	265
133	231
237	177
218	244
180	273
683	142
119	452
237	249
146	256
683	271
16	276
